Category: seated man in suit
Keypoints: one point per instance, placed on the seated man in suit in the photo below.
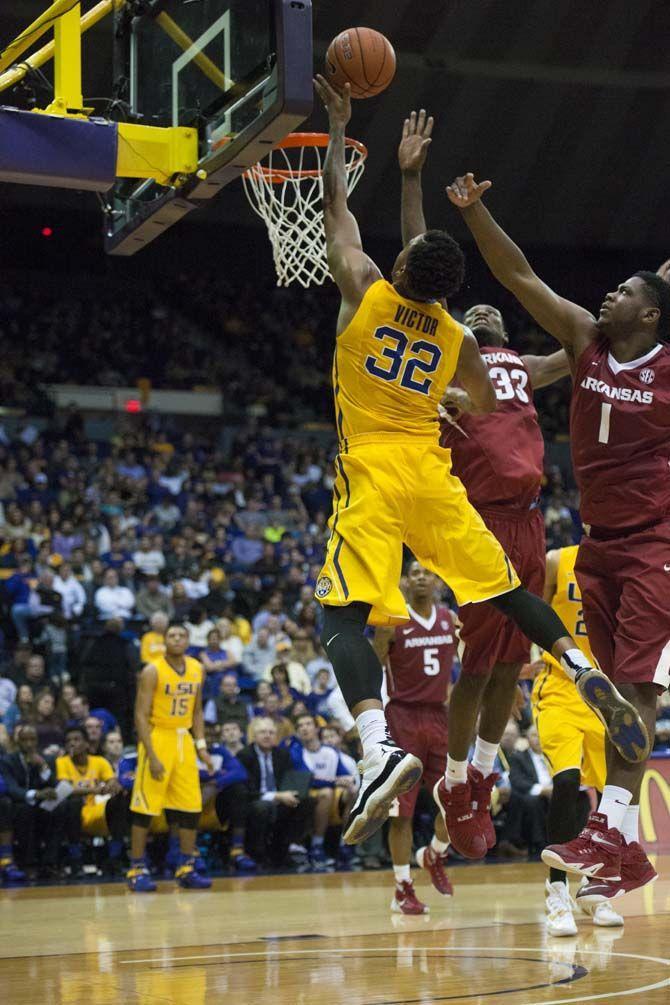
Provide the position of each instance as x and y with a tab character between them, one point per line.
278	817
530	779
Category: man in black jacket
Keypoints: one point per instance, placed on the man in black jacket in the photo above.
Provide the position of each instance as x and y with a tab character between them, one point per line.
109	668
530	779
278	817
30	781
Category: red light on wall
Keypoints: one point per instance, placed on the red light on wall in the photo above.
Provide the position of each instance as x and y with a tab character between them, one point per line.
133	405
46	232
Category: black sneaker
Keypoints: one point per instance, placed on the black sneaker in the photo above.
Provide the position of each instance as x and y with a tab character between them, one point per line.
387	772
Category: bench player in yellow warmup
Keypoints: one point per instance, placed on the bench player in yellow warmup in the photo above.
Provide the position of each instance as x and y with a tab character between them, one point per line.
170	727
573	742
397	351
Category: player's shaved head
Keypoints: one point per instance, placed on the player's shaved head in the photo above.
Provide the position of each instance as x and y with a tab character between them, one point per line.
486	324
641	303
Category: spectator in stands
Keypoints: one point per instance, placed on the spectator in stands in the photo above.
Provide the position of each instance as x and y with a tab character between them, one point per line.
71	591
199	626
48	724
166	514
65	540
258	655
333	787
35	675
225	793
297	675
148	560
153	642
278	817
30	782
80	709
53	638
22	710
230	642
273	608
112	600
90	776
280	685
109	666
232	736
7	693
530	779
112	748
9	871
16	668
317	700
216	600
94	731
152	599
18	591
228	705
215	661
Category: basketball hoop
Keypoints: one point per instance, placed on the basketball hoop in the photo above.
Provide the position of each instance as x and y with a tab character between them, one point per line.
287	194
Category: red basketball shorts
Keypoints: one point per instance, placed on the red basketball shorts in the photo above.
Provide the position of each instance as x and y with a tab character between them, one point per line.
421	730
487	636
625	587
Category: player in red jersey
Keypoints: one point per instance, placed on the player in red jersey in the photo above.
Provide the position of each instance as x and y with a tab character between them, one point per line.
418	658
620	435
499	457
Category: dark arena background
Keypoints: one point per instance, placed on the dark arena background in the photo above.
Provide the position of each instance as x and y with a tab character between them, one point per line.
167	452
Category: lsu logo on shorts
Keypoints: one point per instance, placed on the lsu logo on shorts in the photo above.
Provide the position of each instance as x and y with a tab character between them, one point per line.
323	587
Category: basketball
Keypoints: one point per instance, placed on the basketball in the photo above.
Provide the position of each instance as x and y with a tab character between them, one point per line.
363	57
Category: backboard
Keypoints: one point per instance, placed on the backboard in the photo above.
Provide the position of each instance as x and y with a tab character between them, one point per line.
237	71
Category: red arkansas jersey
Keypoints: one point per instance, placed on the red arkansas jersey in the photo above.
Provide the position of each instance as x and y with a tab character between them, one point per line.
499	457
421	657
620	435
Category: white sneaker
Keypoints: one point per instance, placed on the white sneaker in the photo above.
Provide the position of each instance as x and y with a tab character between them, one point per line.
387	772
603	914
560	919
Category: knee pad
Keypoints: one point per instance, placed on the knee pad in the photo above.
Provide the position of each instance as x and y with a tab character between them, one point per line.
185	821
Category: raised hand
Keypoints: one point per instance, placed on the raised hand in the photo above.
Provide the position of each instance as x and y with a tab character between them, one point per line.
664	271
336	102
465	191
416	138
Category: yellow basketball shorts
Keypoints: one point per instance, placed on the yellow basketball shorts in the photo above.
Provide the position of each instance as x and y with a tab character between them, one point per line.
93	819
389	492
179	788
571	735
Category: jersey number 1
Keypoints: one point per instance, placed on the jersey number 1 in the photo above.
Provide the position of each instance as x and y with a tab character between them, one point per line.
605	416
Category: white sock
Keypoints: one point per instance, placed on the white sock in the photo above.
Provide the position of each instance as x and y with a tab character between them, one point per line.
484	756
456	773
573	660
439	846
630	825
372	728
401	873
614	804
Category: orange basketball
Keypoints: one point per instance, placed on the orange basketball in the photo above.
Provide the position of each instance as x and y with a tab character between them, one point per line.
363	57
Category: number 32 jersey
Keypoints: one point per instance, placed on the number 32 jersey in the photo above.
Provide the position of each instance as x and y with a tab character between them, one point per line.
421	658
620	437
392	364
500	457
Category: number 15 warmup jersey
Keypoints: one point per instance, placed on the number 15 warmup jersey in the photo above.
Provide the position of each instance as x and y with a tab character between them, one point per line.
174	698
392	364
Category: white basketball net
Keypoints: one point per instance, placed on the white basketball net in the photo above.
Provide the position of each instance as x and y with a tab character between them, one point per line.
287	193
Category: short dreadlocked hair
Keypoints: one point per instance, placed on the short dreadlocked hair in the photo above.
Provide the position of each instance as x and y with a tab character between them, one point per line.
435	266
658	292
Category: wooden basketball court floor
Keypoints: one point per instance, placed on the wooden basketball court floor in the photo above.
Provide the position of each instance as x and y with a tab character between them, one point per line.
327	940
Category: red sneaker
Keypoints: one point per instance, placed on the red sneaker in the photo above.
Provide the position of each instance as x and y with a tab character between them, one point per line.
594	852
462	825
636	872
481	789
427	858
406	900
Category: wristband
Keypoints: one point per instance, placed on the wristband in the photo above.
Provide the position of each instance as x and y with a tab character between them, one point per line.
201	744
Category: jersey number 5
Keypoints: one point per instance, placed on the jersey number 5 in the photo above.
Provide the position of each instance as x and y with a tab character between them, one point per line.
431	663
404	360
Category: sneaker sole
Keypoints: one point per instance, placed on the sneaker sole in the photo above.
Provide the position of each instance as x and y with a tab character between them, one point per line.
419	861
621	720
556	934
593	899
555	861
406	774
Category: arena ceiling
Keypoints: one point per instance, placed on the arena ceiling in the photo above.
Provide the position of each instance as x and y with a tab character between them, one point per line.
565	105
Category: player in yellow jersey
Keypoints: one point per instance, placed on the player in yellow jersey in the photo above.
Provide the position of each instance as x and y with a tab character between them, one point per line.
573	742
170	727
397	350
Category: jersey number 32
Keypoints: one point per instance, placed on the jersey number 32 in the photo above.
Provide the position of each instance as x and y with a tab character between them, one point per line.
403	361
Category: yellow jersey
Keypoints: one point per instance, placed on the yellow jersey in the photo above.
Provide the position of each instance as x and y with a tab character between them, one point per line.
96	769
175	695
567	603
392	363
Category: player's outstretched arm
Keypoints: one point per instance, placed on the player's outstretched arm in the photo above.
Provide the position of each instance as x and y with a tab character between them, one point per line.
664	271
551	576
412	152
573	326
350	267
545	370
